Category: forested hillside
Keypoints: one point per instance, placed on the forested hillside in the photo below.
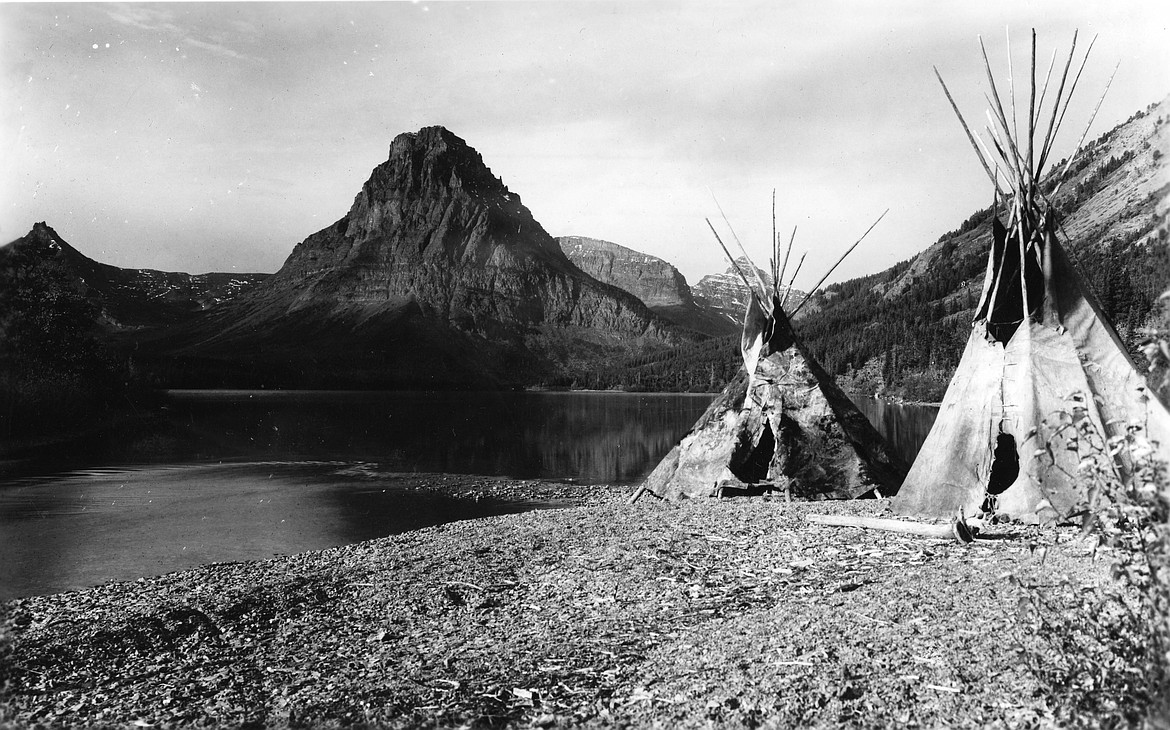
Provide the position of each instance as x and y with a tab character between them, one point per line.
901	332
907	345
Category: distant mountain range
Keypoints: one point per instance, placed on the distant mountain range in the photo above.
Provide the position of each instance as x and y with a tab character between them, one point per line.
901	331
660	285
726	293
439	277
128	299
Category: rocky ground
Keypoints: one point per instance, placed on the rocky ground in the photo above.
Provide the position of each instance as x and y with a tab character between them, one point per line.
736	613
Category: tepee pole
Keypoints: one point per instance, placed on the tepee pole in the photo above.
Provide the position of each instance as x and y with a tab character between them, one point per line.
962	121
1072	89
834	266
1085	133
793	279
957	529
1044	91
729	256
1009	161
1032	106
775	247
742	250
1050	134
784	267
995	179
1011	81
998	105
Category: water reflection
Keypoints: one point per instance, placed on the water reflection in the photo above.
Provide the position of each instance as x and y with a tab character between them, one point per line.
904	425
245	476
593	438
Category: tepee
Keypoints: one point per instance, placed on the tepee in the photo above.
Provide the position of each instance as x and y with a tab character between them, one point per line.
783	424
1041	355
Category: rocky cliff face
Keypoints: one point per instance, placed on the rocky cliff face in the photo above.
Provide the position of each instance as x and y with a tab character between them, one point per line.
654	281
726	293
435	236
432	225
657	283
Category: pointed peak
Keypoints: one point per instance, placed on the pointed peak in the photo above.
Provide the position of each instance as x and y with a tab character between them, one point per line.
436	153
43	235
43	239
435	137
41	229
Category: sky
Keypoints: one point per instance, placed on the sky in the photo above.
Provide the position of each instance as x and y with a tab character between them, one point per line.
216	136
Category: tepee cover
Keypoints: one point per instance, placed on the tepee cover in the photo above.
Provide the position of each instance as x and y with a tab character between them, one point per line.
781	424
1041	357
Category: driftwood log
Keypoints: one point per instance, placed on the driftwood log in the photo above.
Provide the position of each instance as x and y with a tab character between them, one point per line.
957	529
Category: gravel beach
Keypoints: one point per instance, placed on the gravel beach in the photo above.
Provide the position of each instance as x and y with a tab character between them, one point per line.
736	613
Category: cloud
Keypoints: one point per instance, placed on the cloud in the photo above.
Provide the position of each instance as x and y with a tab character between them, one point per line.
156	20
151	19
221	50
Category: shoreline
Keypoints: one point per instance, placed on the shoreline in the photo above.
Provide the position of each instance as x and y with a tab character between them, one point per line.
602	614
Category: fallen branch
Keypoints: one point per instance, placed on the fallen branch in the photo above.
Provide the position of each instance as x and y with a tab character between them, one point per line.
957	530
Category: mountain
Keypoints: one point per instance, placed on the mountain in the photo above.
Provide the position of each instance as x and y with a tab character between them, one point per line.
125	299
438	276
649	278
902	330
657	283
63	321
727	294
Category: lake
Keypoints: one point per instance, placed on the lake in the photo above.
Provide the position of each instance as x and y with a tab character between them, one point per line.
246	475
904	425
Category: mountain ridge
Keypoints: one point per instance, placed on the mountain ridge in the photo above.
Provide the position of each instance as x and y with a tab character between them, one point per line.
655	281
437	275
896	331
726	293
899	332
134	298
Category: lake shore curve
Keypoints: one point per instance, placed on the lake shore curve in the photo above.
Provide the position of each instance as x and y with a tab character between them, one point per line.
602	614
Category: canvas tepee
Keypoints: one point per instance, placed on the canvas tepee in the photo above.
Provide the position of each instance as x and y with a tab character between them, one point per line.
782	424
1041	356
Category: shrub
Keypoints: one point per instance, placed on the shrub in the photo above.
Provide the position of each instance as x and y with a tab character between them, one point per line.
1103	654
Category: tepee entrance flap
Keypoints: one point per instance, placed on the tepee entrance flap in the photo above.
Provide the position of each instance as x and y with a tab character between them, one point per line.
1043	365
781	424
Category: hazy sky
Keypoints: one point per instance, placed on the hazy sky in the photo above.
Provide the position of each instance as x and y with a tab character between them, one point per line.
216	136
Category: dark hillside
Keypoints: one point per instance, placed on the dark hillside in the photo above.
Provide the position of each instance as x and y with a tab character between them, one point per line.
697	367
901	332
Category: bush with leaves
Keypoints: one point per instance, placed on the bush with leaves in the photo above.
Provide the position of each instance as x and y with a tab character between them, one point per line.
1102	653
1156	348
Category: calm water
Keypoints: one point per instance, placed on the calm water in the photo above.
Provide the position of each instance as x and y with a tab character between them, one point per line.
905	426
248	475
